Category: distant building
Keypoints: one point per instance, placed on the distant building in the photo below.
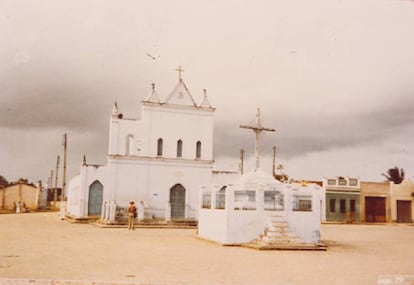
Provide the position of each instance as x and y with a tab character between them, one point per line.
23	192
342	199
376	202
402	210
387	202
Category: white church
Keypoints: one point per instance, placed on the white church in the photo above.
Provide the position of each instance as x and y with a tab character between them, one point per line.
158	161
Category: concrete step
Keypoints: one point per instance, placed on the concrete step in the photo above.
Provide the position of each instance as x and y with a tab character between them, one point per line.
276	227
279	234
281	240
278	219
281	224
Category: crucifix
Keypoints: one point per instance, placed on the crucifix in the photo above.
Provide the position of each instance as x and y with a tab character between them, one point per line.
257	129
180	70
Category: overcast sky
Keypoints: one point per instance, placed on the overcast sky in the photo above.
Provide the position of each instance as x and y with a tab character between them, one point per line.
334	78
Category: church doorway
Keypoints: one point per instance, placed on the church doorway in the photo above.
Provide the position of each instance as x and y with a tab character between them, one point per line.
95	199
177	200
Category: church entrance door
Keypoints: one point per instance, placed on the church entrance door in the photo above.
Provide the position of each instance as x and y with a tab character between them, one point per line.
95	199
177	200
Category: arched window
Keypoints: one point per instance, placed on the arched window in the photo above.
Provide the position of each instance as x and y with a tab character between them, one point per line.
221	198
179	148
159	147
129	148
198	150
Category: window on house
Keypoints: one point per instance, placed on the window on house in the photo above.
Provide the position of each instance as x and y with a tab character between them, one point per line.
331	182
159	147
179	148
198	150
342	206
342	182
332	205
352	205
353	182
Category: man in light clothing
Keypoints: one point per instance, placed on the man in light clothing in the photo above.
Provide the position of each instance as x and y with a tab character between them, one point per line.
131	215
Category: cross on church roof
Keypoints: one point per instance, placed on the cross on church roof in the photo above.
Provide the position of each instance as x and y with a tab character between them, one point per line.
180	70
257	129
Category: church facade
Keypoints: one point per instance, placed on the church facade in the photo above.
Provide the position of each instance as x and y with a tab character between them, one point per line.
158	161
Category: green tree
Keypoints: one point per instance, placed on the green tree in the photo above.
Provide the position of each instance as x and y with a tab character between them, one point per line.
3	181
395	175
282	176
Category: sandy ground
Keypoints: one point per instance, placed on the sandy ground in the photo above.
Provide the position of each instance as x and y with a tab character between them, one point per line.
40	246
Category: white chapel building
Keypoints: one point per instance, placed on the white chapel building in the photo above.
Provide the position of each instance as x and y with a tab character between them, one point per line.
158	161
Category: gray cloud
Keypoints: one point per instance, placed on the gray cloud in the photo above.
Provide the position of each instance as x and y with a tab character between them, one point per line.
298	135
44	99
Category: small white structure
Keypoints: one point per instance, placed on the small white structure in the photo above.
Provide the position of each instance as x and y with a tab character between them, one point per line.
159	161
259	208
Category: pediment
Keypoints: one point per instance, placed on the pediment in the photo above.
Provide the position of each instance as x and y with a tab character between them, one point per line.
180	96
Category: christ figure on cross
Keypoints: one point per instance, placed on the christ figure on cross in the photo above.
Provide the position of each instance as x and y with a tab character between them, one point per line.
257	129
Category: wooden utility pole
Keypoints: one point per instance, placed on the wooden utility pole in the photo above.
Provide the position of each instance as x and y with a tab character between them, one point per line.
56	183
274	162
257	129
49	187
62	196
20	190
39	191
241	161
65	138
50	182
3	200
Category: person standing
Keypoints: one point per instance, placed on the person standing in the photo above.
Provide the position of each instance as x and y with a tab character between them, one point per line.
18	207
131	215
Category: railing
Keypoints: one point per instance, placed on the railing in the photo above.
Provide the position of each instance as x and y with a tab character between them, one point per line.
121	213
220	200
274	201
302	203
206	200
245	200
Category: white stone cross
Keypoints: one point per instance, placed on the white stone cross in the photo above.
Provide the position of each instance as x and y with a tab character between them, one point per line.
258	129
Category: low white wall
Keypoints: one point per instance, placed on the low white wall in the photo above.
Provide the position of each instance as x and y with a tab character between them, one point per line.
213	225
245	226
73	194
306	225
232	227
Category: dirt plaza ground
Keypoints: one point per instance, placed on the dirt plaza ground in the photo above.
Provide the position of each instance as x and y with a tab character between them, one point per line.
40	246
